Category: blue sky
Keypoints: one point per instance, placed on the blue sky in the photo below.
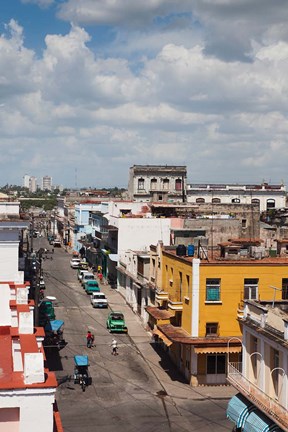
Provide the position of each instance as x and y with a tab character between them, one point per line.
98	86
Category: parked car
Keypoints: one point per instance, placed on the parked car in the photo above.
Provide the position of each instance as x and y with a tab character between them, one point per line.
91	286
116	322
80	274
99	300
56	243
75	263
86	276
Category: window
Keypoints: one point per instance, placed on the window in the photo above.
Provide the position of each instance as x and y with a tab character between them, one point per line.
275	374
188	284
178	184
212	290
216	364
166	184
211	329
255	201
141	184
180	285
235	200
200	200
270	204
250	289
216	200
244	223
153	184
284	289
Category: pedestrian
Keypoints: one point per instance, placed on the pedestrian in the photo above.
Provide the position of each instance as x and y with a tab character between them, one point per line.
89	339
114	347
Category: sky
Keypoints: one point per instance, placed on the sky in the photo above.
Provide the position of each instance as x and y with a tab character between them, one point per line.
89	88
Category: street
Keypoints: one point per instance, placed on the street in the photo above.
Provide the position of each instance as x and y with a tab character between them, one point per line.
138	390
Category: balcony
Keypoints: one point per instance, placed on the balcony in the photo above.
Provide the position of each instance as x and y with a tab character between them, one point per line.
175	305
161	296
269	406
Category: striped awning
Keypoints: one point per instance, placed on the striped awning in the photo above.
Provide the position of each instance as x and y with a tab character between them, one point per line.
258	422
239	409
218	349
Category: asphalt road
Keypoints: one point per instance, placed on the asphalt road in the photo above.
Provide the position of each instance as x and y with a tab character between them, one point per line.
126	395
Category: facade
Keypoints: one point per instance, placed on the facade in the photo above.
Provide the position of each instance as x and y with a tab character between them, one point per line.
27	387
153	183
46	183
204	297
266	196
32	184
261	377
26	180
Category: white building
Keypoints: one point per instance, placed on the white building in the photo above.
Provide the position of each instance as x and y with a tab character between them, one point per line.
267	196
26	181
27	388
46	183
261	378
33	184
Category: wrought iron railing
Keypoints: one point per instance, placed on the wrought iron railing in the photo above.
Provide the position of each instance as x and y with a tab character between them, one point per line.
266	403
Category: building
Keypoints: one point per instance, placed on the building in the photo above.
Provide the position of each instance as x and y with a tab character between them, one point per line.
26	181
266	196
157	183
27	387
196	309
32	184
46	183
261	377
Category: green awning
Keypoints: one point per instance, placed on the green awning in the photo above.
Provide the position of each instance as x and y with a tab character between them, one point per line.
239	409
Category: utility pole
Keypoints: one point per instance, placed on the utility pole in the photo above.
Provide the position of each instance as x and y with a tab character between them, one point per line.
32	232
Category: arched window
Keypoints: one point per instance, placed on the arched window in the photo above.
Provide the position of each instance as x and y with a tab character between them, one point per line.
216	200
140	184
200	200
270	204
255	201
178	184
235	200
166	184
153	184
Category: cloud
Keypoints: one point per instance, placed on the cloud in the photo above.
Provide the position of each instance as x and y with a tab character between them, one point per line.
75	107
40	3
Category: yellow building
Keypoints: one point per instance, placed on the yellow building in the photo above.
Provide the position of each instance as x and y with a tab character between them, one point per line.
204	298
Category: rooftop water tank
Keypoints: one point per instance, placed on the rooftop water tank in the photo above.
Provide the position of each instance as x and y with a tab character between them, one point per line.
181	250
190	250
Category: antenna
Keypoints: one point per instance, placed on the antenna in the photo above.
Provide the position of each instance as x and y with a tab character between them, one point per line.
274	296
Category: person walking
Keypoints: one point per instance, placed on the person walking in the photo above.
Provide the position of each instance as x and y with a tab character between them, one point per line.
114	347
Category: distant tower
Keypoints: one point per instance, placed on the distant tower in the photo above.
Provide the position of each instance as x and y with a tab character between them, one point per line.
32	184
46	183
26	181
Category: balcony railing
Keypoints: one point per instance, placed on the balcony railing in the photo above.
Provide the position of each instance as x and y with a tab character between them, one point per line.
258	397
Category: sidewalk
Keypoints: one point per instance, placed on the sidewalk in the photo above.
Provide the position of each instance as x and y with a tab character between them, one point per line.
172	381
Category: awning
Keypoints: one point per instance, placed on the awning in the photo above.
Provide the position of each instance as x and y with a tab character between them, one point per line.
258	422
161	335
54	325
239	409
218	349
114	257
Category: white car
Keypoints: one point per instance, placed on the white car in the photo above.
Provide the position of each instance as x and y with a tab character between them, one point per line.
81	273
99	300
75	263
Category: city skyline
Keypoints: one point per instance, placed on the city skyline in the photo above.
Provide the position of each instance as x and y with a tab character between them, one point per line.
89	88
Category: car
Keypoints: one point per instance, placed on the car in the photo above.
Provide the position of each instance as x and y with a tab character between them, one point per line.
75	263
87	276
56	243
99	300
116	322
91	286
81	273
